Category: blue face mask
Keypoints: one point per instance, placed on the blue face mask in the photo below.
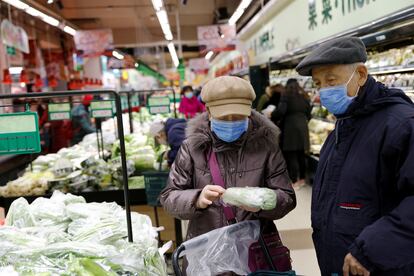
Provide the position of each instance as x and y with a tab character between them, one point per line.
336	99
229	131
189	95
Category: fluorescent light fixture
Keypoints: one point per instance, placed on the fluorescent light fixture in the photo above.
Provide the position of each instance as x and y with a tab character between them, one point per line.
69	30
209	55
162	17
50	1
173	54
50	20
33	12
136	64
15	70
239	11
168	36
17	4
158	4
117	55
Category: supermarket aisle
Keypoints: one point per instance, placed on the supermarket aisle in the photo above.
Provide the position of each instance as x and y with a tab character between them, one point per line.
295	230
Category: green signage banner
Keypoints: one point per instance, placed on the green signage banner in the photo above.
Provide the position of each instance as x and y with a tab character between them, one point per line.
19	133
59	111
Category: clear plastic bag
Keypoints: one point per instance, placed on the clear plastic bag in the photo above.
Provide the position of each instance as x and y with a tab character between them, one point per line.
222	250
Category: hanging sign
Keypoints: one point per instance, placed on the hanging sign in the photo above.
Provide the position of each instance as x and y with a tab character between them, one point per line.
14	36
159	105
59	111
94	42
102	109
217	37
19	133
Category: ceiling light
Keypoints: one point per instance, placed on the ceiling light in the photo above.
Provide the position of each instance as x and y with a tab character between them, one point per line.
162	17
136	64
157	4
222	36
173	54
239	11
50	20
50	1
15	70
17	4
69	30
117	55
209	55
33	12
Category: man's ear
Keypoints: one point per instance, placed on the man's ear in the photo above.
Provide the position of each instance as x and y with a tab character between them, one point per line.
363	74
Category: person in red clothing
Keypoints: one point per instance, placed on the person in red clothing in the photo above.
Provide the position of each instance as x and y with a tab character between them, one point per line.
190	106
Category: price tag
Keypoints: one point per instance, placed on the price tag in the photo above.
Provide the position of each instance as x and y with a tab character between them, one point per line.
105	233
134	100
59	111
19	133
159	109
159	105
158	101
102	113
102	109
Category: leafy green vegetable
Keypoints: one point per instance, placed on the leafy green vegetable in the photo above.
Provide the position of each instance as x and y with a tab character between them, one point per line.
254	197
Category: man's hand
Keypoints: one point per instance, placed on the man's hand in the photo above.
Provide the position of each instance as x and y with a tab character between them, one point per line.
353	267
209	194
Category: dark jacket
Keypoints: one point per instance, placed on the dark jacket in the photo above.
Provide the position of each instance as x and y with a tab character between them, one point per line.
294	111
81	123
175	130
363	194
253	160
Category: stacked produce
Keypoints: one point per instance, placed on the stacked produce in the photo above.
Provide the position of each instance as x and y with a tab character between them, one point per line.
64	235
318	132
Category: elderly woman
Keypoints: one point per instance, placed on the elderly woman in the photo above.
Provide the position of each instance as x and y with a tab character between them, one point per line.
246	146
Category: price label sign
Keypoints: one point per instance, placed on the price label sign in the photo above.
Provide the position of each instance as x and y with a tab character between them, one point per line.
19	133
134	100
59	111
124	102
159	105
102	109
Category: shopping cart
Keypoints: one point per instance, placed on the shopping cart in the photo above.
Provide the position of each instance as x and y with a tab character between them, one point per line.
203	240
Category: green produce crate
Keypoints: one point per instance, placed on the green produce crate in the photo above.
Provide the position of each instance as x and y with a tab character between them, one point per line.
155	182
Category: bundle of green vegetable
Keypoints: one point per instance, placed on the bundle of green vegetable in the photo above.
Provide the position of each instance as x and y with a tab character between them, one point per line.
64	235
253	197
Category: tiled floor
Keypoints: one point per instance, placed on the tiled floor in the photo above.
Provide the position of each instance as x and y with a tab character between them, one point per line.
295	230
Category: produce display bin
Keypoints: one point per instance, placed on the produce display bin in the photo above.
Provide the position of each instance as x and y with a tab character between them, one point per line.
155	182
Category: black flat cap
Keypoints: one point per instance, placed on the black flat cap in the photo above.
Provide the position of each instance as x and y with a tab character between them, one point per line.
344	50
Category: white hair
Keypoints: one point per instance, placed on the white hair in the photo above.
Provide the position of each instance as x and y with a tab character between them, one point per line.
156	128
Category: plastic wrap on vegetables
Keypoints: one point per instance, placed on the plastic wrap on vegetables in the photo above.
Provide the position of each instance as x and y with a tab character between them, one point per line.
253	197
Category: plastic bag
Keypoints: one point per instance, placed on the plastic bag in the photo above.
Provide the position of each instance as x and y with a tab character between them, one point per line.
253	197
222	250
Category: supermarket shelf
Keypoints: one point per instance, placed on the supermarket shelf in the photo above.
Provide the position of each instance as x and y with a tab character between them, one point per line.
137	197
392	70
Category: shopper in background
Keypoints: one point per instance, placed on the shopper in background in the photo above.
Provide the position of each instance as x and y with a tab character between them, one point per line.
363	194
190	106
292	115
171	133
270	97
81	122
246	146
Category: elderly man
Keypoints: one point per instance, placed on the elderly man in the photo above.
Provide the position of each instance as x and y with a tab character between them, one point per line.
363	195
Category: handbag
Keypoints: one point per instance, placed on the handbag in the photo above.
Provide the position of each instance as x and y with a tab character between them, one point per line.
268	253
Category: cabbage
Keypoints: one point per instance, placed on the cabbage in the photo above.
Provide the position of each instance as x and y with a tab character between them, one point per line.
253	197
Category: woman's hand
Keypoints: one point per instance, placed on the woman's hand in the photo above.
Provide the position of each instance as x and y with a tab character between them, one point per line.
209	194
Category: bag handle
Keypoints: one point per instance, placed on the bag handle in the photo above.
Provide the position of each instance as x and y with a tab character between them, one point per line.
219	181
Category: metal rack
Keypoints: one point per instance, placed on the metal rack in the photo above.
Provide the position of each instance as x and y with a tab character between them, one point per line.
148	92
114	96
